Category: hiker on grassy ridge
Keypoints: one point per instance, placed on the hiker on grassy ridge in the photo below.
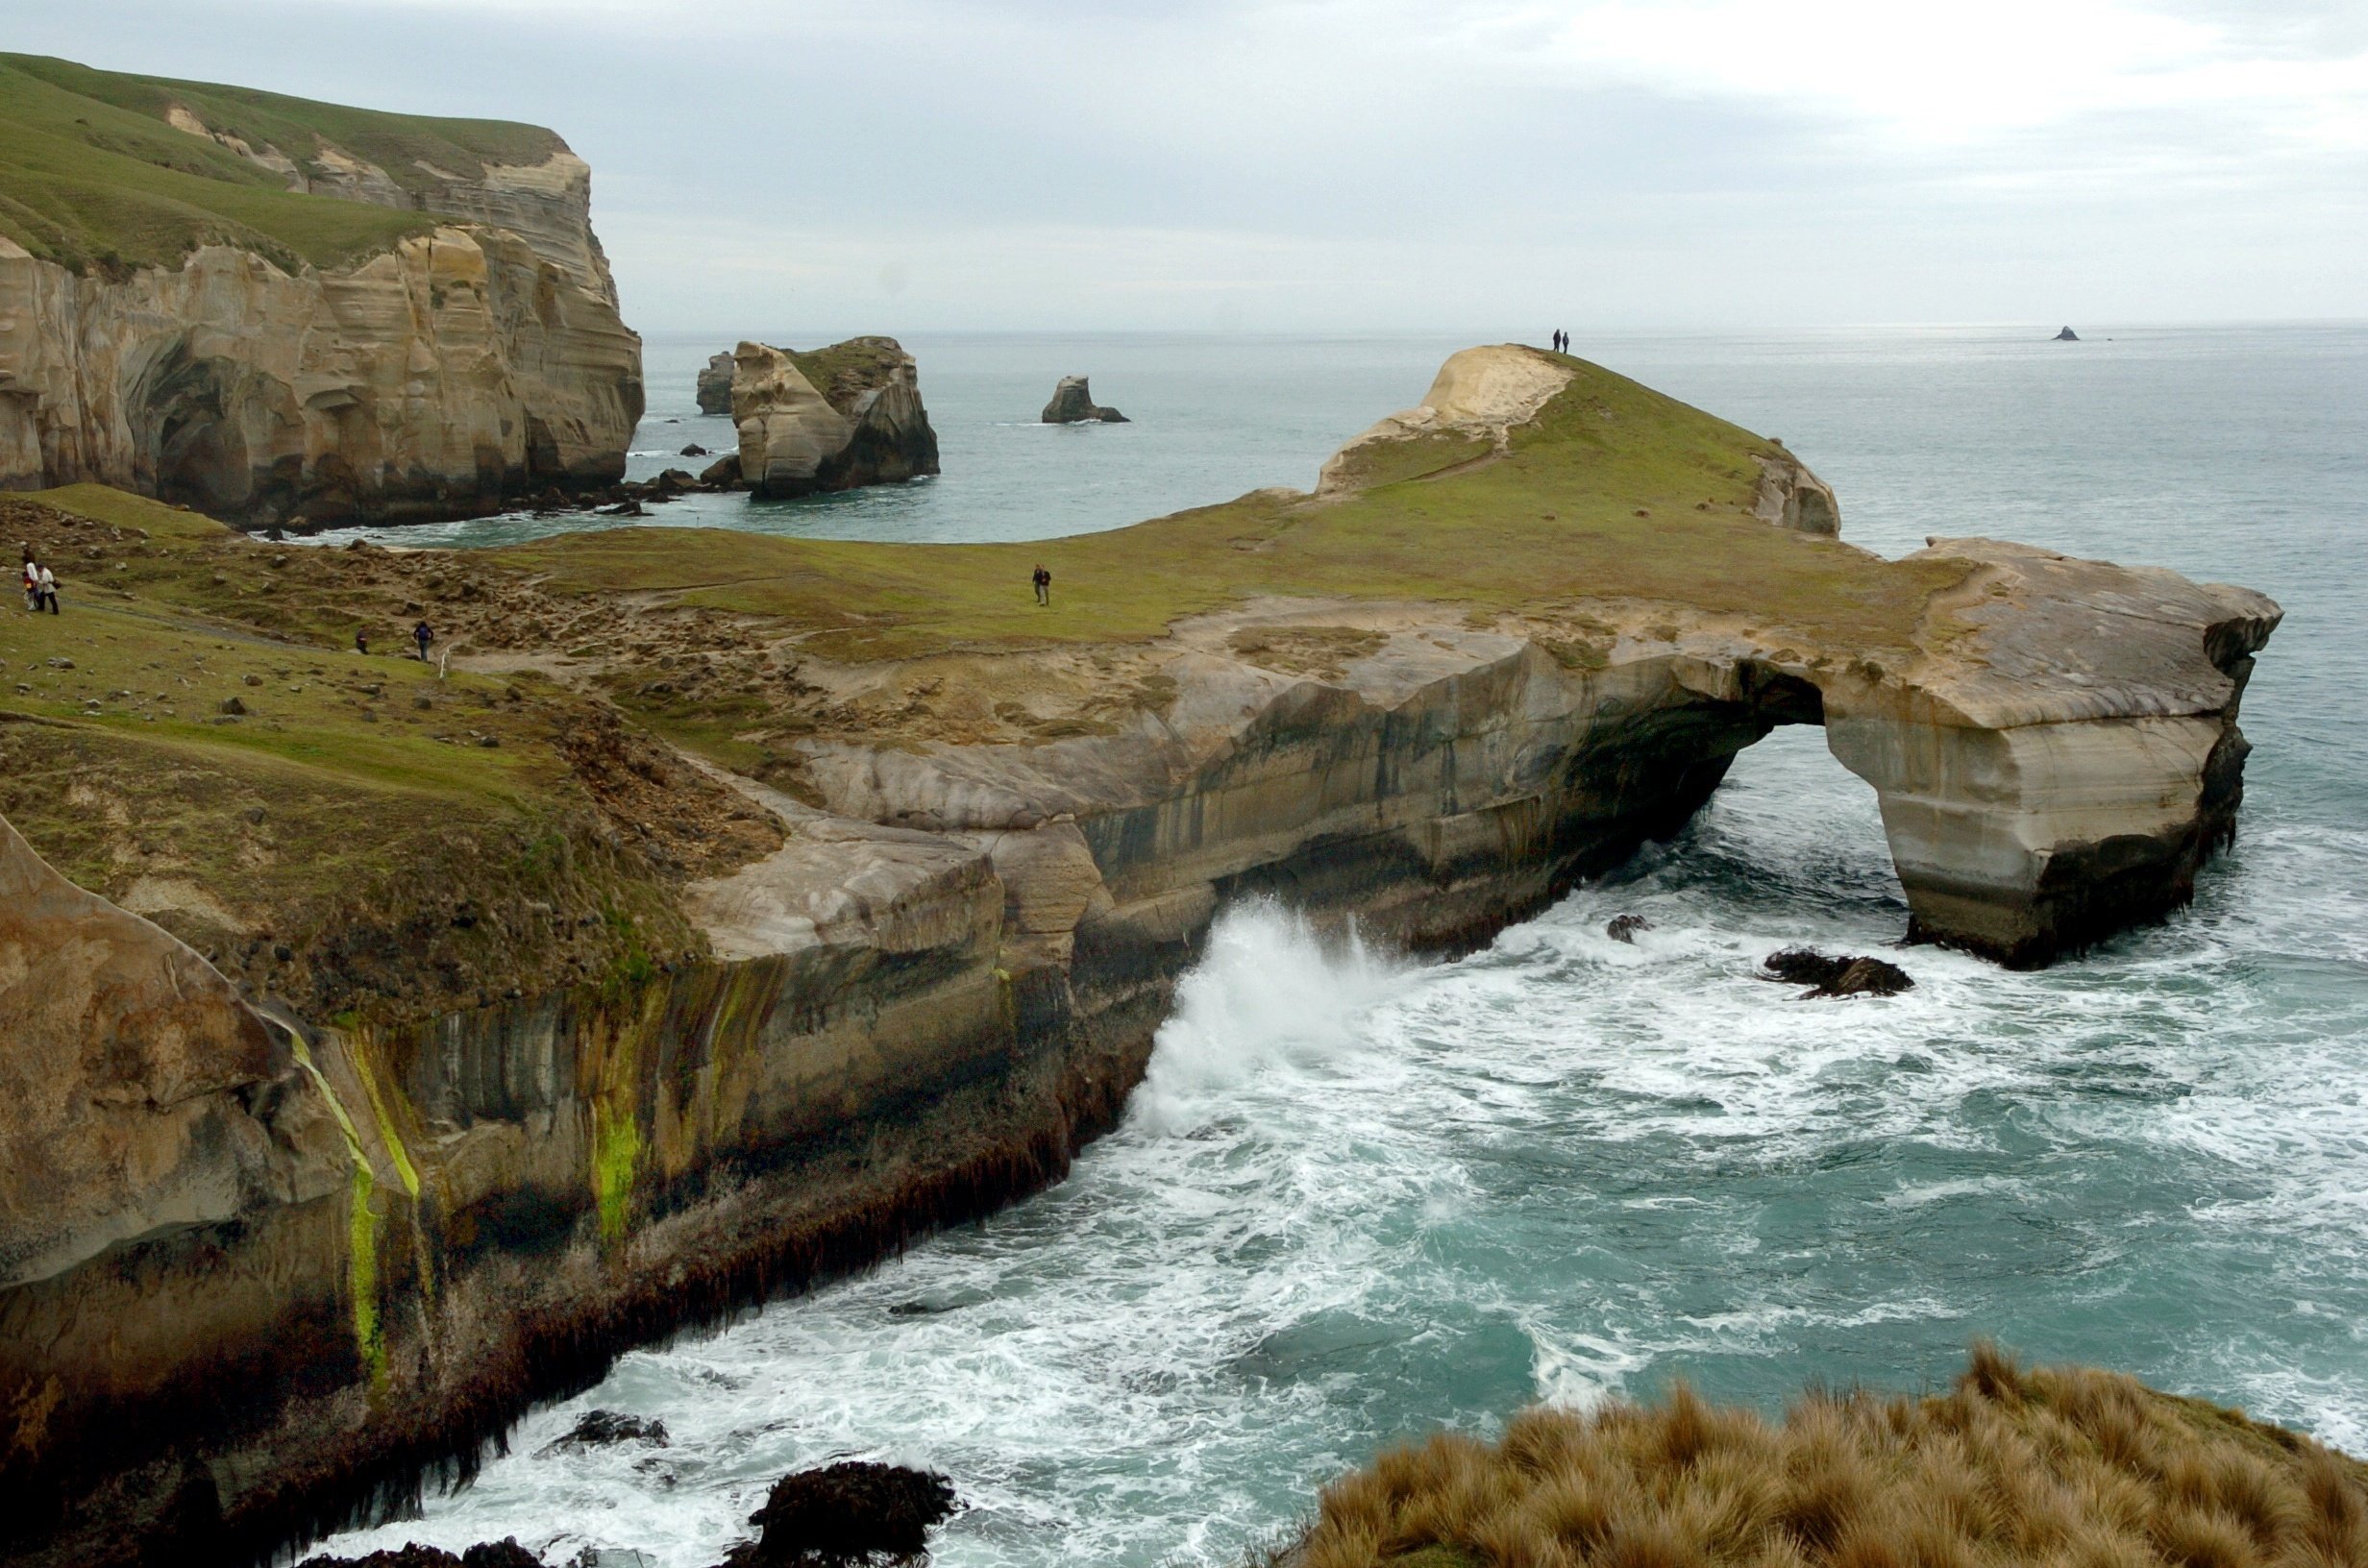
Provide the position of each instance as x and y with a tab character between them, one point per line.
1043	580
45	592
33	581
423	636
361	642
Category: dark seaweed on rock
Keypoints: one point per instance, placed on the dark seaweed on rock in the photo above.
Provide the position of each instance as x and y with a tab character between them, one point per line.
843	1515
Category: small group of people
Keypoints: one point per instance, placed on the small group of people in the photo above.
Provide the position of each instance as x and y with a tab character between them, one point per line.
41	585
1561	341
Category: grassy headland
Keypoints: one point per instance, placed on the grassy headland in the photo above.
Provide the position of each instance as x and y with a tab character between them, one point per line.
2060	1467
370	795
93	174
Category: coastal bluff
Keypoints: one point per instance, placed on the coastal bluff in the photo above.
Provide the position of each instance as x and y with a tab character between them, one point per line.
835	892
834	419
280	313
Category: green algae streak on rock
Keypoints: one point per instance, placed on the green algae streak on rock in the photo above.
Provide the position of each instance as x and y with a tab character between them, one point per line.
861	917
283	311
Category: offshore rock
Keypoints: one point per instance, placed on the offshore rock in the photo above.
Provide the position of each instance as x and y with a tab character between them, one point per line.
1073	403
841	417
1837	976
2067	335
467	365
715	385
845	1515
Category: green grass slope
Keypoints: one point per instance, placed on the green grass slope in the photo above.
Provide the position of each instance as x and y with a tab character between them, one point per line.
92	175
1613	491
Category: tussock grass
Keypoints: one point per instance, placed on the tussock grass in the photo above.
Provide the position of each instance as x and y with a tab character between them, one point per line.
2057	1467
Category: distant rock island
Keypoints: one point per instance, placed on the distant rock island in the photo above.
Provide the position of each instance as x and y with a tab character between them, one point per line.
2067	335
715	384
1073	403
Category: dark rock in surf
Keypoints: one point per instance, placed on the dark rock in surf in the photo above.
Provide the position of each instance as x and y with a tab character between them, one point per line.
502	1553
1833	976
2067	335
845	1514
605	1429
1073	403
695	449
724	474
715	387
1624	927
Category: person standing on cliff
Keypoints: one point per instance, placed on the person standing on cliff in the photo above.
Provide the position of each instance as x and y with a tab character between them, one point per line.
1043	580
423	636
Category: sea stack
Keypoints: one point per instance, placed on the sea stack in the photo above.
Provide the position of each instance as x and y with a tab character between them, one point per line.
2067	335
834	419
715	384
1073	403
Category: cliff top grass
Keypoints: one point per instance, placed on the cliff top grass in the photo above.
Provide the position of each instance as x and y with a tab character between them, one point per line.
93	175
2052	1468
1613	491
368	834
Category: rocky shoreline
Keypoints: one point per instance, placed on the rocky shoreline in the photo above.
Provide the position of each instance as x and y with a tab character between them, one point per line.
268	1268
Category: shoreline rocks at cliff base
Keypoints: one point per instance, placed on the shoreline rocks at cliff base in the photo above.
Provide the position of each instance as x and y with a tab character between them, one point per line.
1073	403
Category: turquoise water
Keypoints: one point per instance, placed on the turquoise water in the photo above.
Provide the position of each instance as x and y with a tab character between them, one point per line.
1358	1198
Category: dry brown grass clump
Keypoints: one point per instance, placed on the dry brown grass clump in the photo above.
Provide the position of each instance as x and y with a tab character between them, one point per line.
2061	1467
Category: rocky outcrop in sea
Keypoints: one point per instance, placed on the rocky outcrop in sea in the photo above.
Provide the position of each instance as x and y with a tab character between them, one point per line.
1073	403
836	419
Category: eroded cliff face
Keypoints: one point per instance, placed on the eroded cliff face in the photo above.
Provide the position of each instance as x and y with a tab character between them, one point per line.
470	364
864	423
992	867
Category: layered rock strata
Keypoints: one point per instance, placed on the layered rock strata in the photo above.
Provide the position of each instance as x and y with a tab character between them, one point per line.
856	420
1073	403
263	1273
467	365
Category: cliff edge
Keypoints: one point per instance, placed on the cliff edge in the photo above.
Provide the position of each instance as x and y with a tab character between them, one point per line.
286	313
738	907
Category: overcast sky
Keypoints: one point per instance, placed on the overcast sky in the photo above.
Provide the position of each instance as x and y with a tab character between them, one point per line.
1343	164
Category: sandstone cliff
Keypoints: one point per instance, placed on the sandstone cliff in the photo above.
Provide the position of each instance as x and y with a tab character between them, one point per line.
308	363
840	417
715	385
1517	632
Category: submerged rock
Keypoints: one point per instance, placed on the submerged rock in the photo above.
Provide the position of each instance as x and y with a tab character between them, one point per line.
1073	403
503	1553
1830	976
715	385
844	1514
836	419
604	1429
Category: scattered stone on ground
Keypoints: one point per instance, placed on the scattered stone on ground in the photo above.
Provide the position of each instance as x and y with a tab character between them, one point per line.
844	1514
1073	403
1836	976
1624	927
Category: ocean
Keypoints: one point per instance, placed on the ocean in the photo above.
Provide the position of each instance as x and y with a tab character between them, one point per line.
1361	1198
